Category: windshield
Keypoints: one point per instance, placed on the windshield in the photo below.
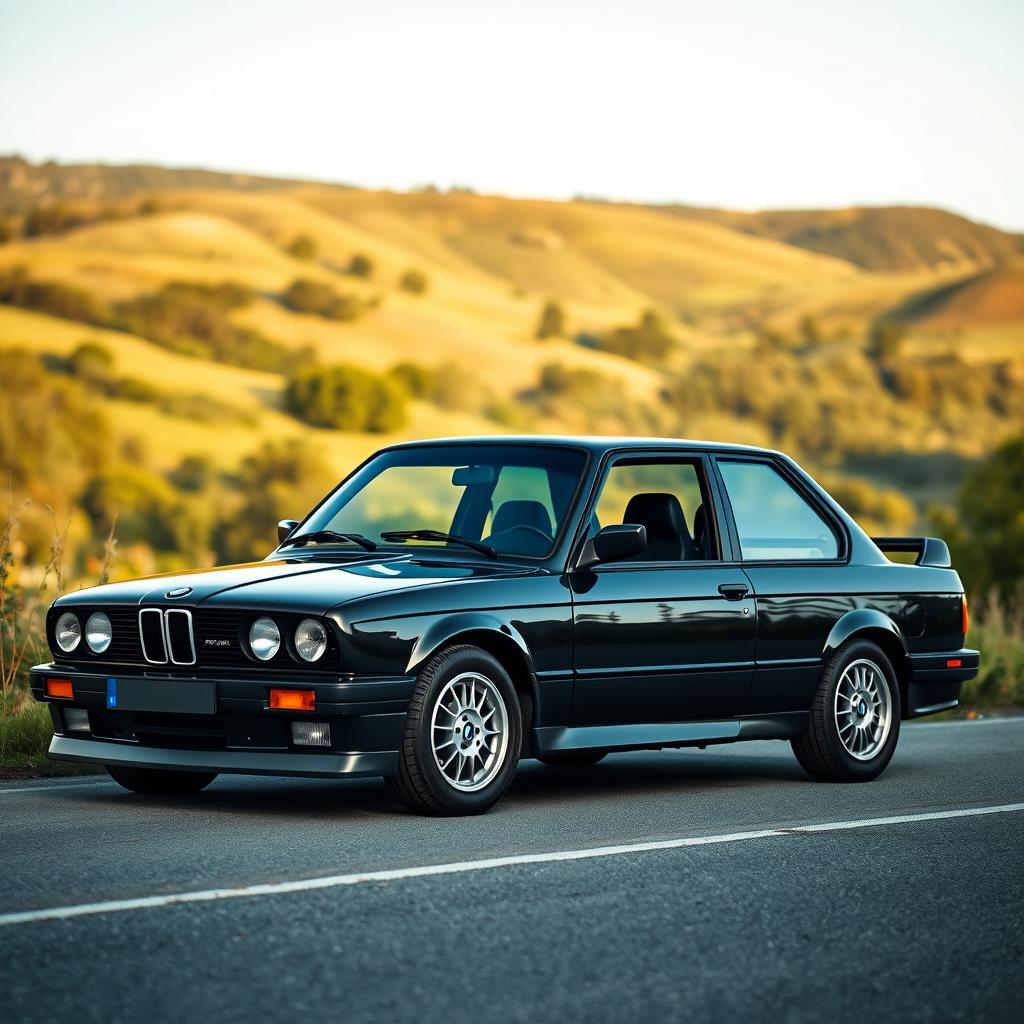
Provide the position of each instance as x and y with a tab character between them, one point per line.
513	499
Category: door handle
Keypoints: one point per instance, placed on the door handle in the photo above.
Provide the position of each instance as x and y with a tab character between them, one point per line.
733	591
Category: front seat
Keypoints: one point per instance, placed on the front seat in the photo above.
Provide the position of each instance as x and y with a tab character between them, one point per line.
668	539
512	517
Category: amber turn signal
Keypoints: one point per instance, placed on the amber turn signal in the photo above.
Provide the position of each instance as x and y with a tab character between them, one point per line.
60	688
293	700
965	618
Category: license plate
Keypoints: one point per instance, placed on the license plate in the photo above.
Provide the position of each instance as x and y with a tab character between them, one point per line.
176	696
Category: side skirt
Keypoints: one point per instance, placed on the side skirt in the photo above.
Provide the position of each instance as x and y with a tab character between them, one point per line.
654	736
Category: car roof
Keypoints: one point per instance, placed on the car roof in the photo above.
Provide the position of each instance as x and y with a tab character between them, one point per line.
597	444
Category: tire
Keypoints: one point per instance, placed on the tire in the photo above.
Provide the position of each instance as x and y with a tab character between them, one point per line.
160	782
573	758
849	737
456	678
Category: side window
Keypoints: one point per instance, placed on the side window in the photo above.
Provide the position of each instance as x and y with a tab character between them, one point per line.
668	499
773	519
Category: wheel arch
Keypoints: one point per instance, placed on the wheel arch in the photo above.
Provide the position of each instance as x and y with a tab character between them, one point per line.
500	639
871	624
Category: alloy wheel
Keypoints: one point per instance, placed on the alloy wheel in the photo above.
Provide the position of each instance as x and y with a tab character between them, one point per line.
469	732
863	709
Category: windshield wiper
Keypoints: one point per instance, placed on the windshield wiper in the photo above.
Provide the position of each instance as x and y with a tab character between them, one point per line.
328	535
451	538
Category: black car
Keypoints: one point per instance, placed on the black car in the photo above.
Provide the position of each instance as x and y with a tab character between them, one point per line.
455	605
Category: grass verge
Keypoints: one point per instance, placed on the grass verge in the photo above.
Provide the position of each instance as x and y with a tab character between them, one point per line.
24	737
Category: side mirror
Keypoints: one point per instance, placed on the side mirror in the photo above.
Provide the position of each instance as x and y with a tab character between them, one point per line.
613	544
284	529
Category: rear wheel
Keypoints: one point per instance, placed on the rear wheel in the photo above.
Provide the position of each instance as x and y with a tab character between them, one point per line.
854	720
573	758
462	737
159	782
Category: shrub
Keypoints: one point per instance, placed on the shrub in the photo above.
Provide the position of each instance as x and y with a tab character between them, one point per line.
345	398
648	341
361	265
414	281
552	321
193	319
93	364
51	219
304	295
51	297
416	379
302	247
885	340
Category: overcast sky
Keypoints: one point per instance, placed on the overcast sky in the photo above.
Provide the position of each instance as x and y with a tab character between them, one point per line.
739	103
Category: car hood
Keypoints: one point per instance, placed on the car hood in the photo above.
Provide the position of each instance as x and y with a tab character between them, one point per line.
307	585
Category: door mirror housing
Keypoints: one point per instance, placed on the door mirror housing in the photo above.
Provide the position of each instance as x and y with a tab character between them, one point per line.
613	544
284	529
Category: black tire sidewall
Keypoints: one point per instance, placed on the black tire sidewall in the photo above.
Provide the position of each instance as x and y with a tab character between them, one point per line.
454	663
851	766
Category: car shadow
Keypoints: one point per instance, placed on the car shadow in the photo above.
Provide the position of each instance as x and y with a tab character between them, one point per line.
618	777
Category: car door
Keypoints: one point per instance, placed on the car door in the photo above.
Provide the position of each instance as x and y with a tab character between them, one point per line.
793	550
668	636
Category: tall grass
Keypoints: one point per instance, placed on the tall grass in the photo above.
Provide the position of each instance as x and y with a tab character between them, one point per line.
998	632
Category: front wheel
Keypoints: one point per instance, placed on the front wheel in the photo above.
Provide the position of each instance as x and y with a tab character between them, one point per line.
854	721
462	737
159	782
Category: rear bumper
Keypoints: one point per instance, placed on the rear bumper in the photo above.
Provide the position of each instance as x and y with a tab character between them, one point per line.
233	732
936	678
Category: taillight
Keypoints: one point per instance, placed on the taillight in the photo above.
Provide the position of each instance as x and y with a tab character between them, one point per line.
965	618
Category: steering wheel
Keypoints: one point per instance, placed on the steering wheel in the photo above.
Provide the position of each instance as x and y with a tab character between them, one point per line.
533	529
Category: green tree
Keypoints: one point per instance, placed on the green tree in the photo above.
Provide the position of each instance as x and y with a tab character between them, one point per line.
414	281
885	341
552	322
305	295
346	398
361	265
810	330
417	379
92	364
989	536
302	247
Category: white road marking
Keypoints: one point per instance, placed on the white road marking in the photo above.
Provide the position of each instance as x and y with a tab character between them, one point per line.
461	867
54	787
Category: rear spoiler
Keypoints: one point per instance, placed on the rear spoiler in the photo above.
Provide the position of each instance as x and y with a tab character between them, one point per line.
929	550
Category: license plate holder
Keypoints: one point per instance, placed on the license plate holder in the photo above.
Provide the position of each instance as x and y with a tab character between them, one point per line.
173	696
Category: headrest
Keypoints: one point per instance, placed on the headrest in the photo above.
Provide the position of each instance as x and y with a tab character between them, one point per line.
660	513
511	514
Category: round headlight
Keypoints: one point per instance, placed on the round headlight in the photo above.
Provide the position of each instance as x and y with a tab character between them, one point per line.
264	639
310	640
68	632
98	632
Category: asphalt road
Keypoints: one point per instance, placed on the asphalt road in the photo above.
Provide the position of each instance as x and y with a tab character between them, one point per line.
914	919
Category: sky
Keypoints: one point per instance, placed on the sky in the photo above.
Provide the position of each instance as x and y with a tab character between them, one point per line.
739	103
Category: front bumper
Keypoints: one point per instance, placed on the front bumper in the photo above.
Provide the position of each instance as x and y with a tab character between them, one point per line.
936	678
240	733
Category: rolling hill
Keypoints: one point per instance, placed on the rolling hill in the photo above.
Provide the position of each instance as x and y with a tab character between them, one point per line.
766	316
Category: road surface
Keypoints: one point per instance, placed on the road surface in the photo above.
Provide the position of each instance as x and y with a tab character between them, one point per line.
714	885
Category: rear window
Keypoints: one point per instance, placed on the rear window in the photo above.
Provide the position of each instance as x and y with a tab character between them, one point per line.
774	520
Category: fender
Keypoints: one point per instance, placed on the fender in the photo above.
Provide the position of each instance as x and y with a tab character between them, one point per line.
864	620
449	628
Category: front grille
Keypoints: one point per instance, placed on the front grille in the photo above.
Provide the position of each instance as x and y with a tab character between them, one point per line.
178	630
204	637
151	632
